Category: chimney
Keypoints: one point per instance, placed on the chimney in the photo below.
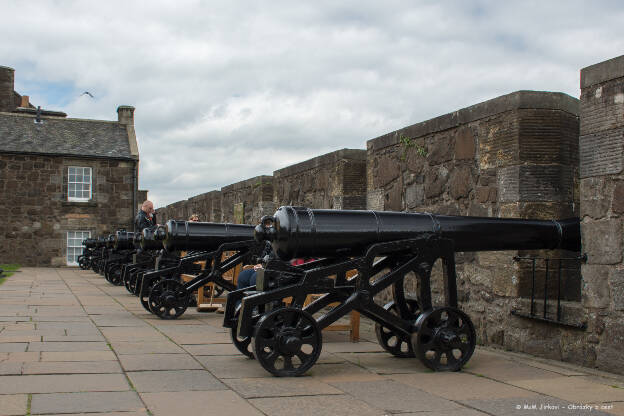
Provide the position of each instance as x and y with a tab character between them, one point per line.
25	101
7	98
125	114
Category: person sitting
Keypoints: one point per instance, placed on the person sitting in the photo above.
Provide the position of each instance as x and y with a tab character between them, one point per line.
194	218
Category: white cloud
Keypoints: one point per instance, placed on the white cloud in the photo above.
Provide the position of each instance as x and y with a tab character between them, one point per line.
229	90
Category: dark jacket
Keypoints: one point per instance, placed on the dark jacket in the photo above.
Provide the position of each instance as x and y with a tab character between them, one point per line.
142	220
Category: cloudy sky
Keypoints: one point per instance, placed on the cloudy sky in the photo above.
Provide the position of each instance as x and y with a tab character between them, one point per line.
225	91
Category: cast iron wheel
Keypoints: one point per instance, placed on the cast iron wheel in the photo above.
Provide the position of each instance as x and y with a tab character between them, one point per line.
287	342
131	282
397	344
129	275
243	344
145	297
83	263
168	299
114	274
445	339
107	272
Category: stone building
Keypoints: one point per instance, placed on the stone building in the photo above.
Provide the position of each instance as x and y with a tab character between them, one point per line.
61	179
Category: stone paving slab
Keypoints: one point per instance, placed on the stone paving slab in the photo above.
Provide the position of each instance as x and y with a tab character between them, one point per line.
218	403
395	397
86	402
144	362
279	387
80	345
65	383
78	356
461	386
176	380
13	404
72	367
315	406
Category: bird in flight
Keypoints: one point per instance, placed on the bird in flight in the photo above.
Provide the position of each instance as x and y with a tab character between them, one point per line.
87	93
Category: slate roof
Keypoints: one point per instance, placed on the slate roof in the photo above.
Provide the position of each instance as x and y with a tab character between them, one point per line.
63	136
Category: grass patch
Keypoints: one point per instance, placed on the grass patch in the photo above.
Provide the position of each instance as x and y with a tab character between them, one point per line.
9	270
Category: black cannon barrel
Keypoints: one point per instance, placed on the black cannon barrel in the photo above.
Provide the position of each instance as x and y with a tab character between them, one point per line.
148	242
110	241
189	235
124	240
90	242
304	232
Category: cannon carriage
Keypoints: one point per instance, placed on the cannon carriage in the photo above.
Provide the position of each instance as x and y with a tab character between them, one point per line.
384	248
120	254
165	294
88	252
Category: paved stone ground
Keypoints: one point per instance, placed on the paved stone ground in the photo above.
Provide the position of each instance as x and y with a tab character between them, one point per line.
70	343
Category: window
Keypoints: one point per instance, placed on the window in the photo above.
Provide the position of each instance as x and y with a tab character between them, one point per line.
74	245
78	184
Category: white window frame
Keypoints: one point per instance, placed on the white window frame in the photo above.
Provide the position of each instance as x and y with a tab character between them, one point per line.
72	180
74	244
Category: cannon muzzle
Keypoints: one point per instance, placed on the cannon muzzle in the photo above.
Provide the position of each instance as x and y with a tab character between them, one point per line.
124	240
90	242
148	242
190	235
303	232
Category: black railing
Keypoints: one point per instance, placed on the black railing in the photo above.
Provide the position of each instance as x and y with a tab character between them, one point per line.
557	261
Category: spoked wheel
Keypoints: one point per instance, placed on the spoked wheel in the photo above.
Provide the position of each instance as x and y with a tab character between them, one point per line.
114	275
287	342
445	339
243	344
168	299
396	343
145	296
130	276
107	269
83	262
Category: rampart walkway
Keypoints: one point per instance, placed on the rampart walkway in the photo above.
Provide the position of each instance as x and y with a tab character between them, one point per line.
72	343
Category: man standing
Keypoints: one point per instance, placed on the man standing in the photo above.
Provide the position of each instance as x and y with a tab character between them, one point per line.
146	217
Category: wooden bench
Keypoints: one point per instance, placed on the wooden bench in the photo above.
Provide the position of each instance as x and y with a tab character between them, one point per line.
354	316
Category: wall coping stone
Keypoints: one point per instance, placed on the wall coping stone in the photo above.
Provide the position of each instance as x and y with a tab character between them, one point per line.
602	72
247	183
509	102
323	160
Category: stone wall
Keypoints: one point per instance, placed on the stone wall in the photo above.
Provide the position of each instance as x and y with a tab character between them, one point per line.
602	209
513	156
245	202
36	214
335	180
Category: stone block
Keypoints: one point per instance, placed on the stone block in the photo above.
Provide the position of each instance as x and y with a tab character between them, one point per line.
460	183
435	182
609	354
464	143
414	195
387	171
594	197
440	150
392	198
617	205
616	284
596	286
602	241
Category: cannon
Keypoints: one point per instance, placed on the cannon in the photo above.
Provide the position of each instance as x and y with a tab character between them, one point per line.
168	298
147	258
384	248
120	254
99	253
88	251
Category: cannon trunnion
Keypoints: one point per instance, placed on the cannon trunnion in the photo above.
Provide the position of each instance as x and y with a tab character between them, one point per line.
380	250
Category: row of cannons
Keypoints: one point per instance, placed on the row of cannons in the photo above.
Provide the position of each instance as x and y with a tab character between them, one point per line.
272	322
